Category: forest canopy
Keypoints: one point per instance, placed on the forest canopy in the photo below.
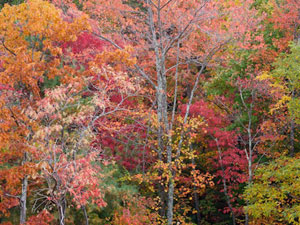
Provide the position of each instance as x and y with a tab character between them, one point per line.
133	112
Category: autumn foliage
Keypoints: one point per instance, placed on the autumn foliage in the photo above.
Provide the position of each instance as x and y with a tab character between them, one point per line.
149	112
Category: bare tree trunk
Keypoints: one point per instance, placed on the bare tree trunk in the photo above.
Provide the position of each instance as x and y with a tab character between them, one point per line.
170	200
250	148
162	113
62	211
23	200
23	197
250	172
161	43
85	215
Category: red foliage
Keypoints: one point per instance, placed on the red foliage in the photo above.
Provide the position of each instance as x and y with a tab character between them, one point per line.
232	159
85	41
43	218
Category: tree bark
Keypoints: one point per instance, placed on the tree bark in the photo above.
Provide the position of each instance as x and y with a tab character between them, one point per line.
23	201
85	215
170	201
23	197
62	211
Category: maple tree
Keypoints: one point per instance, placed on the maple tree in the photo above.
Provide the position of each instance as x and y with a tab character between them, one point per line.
148	111
32	58
27	47
169	37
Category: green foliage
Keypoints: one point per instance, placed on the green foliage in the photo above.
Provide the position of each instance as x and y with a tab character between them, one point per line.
78	4
50	83
274	196
211	205
287	78
241	67
270	34
136	4
117	193
10	2
223	82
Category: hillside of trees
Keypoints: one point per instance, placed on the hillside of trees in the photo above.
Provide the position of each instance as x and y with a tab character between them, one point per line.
136	112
